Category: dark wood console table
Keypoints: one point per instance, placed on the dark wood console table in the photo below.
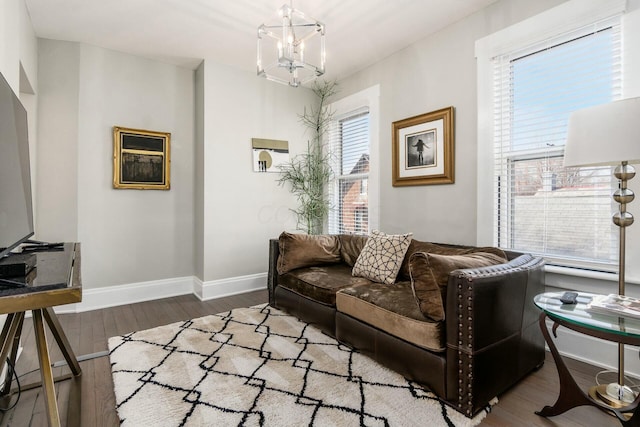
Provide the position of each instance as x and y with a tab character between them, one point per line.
54	281
604	326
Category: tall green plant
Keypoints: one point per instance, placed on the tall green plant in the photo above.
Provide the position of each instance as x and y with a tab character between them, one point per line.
309	173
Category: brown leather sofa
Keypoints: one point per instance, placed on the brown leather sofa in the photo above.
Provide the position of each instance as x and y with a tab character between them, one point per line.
489	338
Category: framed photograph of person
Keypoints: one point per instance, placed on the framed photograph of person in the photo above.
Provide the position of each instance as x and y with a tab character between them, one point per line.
423	149
141	159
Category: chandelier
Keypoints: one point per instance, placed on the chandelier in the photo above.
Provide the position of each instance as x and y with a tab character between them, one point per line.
288	51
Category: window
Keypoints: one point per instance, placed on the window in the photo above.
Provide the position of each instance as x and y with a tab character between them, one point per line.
349	145
539	206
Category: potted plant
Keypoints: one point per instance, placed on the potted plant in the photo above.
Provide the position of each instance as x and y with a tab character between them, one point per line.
309	173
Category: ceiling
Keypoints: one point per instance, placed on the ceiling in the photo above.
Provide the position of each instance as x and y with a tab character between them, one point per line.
183	32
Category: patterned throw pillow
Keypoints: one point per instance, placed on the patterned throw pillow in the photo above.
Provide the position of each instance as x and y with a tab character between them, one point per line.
381	257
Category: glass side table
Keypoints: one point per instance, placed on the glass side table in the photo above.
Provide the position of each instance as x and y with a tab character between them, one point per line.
612	328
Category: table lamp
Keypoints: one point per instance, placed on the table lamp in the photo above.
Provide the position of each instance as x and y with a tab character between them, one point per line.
603	135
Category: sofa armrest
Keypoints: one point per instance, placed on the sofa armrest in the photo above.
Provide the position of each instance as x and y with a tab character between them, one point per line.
493	338
272	275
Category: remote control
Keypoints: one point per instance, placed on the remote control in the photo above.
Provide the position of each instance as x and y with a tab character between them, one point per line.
569	297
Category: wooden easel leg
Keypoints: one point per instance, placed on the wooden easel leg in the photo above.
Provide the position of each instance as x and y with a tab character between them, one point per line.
74	411
75	393
45	370
61	340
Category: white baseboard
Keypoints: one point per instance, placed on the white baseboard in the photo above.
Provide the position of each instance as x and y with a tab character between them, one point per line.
231	286
112	296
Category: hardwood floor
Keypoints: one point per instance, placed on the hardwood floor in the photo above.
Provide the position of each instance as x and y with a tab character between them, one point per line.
88	333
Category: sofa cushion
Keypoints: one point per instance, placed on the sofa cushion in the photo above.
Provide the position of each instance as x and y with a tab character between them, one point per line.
392	308
434	248
382	256
430	275
302	250
350	247
321	283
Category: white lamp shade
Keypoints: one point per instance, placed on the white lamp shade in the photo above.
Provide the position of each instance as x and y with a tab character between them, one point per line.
606	134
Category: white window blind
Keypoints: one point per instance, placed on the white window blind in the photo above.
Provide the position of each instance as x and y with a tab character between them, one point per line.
349	145
541	207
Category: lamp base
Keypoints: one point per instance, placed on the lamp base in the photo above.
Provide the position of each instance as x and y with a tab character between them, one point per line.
613	395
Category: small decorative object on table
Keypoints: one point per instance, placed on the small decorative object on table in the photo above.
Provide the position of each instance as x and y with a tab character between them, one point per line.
620	305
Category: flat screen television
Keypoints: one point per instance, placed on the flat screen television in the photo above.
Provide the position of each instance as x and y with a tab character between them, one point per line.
16	208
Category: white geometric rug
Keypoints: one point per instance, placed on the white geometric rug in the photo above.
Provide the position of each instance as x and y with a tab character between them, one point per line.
261	367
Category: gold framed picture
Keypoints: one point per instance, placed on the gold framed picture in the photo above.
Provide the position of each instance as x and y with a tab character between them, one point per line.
141	159
423	149
269	154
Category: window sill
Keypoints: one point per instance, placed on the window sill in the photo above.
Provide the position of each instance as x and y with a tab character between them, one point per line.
581	272
587	280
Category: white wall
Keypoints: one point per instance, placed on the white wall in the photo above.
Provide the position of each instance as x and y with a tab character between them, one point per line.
214	223
133	235
242	208
57	162
18	44
28	45
210	231
127	236
437	72
10	41
199	214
